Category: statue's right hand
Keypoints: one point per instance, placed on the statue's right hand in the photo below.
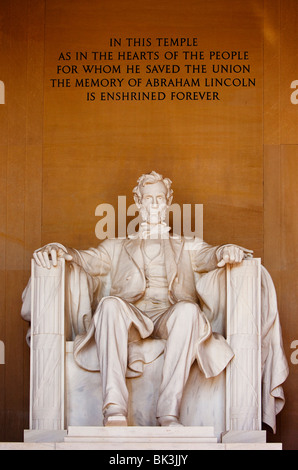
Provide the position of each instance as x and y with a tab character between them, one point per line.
48	253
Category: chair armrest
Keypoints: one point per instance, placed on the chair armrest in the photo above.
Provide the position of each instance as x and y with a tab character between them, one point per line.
47	352
243	376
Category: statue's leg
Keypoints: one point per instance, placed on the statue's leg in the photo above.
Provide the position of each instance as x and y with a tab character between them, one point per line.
112	325
179	325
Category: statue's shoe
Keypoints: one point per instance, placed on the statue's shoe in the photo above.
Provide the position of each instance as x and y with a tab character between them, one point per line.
115	420
114	415
169	421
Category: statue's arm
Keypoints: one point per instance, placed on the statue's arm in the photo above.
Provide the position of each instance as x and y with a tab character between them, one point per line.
206	257
51	253
95	261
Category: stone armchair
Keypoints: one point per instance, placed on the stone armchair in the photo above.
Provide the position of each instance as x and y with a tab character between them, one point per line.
64	395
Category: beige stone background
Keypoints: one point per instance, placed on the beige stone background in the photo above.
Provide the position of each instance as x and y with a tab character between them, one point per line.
61	155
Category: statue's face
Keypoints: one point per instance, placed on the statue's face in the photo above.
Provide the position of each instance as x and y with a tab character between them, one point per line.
154	203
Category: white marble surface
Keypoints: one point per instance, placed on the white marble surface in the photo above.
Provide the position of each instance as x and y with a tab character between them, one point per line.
116	447
83	393
142	438
141	435
203	402
243	374
40	435
47	351
153	438
244	436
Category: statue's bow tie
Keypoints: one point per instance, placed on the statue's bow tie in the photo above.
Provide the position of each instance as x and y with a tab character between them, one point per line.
148	231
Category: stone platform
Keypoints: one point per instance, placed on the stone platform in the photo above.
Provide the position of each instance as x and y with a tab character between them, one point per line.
133	437
115	438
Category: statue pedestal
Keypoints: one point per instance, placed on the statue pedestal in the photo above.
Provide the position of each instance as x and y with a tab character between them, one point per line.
244	436
146	437
142	438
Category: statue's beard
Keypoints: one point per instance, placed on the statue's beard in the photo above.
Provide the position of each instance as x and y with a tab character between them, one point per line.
154	216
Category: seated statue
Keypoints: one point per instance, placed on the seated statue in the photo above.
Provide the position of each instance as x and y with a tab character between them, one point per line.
149	285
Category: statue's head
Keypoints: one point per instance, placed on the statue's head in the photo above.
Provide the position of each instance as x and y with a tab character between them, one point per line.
153	196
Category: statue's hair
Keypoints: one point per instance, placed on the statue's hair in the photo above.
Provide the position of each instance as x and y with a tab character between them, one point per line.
151	178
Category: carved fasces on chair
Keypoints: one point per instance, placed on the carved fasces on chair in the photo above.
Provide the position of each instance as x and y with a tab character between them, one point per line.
47	348
243	375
